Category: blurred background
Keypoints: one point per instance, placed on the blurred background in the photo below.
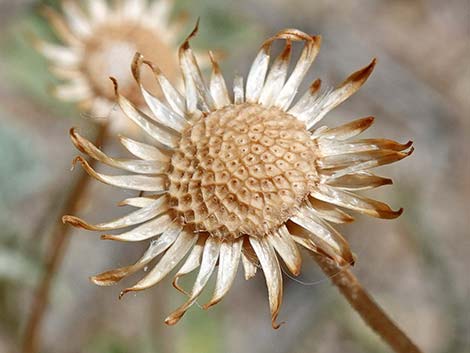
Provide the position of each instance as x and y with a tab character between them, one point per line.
416	266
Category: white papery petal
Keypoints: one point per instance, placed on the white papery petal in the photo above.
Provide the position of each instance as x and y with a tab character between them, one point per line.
192	262
289	91
272	272
76	19
320	108
347	131
62	56
238	93
98	10
208	262
218	87
286	248
143	150
229	259
132	165
163	135
139	202
155	248
144	214
359	181
145	231
354	202
172	96
323	235
257	74
74	91
132	182
192	73
162	113
249	267
134	9
276	77
172	257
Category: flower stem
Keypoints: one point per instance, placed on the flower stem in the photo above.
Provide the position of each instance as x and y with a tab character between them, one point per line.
366	307
54	254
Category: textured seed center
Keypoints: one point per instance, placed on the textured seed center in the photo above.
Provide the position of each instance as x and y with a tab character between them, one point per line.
241	170
109	52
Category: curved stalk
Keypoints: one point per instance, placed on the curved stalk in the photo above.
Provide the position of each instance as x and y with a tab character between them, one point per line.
373	315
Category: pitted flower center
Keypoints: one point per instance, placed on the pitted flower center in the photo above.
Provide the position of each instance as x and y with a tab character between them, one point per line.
242	169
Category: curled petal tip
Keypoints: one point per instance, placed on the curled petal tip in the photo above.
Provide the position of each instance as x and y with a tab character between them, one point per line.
124	291
295	271
275	324
317	39
73	221
170	321
410	151
115	85
98	282
154	67
135	66
185	44
76	160
211	303
409	144
353	260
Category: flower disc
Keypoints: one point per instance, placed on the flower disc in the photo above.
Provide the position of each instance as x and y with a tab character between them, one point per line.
242	169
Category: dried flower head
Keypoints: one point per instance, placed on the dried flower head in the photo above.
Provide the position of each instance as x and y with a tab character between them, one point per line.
247	177
101	42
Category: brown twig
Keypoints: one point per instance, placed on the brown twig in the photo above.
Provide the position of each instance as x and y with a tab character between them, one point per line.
366	307
53	258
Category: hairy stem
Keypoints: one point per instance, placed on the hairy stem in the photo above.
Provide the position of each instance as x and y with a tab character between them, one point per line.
54	254
366	307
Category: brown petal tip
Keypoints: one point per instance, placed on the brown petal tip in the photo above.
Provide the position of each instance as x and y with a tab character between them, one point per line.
363	74
170	320
115	85
185	44
213	302
135	66
275	324
315	86
125	291
154	67
390	214
75	221
102	282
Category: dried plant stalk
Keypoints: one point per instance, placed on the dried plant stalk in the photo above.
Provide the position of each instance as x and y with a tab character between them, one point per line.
366	307
55	252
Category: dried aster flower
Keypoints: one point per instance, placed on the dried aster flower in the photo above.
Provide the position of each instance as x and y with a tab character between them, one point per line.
101	42
246	178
